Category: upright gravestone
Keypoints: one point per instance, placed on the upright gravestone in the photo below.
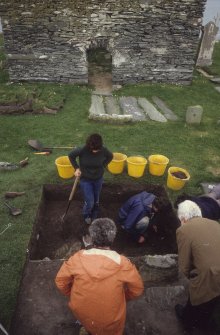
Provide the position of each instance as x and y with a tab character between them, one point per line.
207	45
194	114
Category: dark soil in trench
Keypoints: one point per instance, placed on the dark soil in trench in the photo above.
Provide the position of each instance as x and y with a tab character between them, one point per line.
50	234
42	310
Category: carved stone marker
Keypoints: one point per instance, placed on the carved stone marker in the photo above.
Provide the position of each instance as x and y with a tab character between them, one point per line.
207	45
194	114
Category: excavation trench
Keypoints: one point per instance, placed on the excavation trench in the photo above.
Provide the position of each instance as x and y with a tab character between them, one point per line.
42	310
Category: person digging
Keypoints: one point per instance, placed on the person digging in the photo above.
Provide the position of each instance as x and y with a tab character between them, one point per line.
92	158
137	213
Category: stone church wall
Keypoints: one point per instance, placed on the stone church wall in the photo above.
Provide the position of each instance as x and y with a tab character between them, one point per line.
149	40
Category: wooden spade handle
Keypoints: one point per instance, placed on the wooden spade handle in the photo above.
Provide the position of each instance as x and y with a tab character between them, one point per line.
74	188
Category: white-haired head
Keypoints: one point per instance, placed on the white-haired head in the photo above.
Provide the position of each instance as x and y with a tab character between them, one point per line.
188	210
103	232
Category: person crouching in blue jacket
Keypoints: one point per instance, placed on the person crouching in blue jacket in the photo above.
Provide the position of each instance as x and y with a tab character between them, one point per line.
136	213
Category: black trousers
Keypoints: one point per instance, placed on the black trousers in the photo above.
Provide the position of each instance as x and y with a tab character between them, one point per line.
200	315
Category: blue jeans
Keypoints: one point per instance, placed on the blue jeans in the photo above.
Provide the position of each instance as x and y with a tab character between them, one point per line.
91	190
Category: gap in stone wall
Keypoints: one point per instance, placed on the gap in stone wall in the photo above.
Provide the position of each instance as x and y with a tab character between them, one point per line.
99	68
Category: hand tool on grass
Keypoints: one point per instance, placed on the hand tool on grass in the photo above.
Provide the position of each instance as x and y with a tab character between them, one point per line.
35	144
70	197
45	153
13	166
13	194
13	210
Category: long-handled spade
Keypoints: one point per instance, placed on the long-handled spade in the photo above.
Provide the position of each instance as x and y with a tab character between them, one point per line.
36	145
70	197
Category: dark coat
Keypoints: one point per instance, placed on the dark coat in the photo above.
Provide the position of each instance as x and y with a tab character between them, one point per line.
134	209
209	207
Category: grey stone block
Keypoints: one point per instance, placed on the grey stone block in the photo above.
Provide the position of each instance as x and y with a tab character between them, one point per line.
194	114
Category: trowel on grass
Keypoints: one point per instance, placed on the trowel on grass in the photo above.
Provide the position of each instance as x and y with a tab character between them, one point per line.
13	210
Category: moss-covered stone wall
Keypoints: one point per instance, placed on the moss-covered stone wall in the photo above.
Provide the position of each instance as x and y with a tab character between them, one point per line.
149	40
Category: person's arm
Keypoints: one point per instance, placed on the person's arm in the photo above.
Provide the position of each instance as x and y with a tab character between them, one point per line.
134	286
132	217
184	252
108	157
73	155
64	278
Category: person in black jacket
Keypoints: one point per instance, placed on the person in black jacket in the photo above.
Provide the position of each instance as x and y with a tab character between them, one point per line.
93	157
208	203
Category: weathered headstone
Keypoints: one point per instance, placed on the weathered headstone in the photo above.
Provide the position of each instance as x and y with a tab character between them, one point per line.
217	88
207	45
194	114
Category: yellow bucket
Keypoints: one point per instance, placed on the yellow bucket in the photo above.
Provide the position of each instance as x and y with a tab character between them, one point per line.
64	167
157	164
136	166
116	166
174	182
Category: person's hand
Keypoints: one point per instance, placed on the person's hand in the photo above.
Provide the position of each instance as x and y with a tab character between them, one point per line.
141	239
77	173
155	229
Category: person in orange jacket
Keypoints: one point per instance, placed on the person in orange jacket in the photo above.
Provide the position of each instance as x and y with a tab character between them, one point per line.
99	281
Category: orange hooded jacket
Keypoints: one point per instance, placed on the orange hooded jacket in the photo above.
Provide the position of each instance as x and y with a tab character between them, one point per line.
99	282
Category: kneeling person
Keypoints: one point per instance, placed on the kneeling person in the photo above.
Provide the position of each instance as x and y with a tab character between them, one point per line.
135	216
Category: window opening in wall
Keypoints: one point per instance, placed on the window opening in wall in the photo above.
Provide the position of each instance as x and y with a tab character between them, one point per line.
100	69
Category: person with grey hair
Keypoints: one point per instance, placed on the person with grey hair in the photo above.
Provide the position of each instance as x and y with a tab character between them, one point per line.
99	281
198	241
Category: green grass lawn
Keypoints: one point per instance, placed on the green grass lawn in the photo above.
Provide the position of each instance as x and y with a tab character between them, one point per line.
195	148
